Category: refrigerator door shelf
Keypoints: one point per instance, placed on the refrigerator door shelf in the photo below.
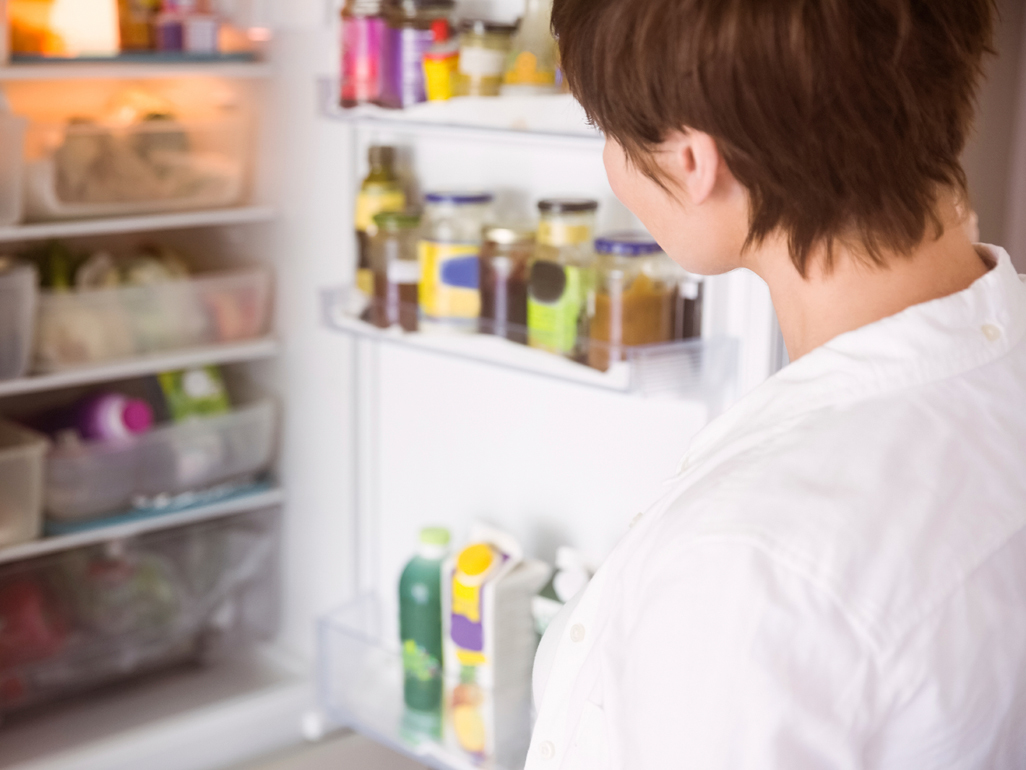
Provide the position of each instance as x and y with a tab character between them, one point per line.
546	117
362	688
696	369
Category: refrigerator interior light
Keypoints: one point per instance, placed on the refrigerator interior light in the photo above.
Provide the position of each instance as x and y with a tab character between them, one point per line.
64	27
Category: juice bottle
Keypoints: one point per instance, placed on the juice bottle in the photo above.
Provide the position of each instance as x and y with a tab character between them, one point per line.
420	621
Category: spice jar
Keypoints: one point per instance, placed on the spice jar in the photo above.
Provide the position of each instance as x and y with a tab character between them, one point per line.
484	46
634	297
396	270
505	265
407	38
562	276
448	253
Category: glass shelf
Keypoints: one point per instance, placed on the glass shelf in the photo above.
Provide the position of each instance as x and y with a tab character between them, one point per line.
544	117
696	369
361	687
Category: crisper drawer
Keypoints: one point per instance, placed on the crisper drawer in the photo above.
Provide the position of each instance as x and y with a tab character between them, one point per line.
93	479
91	169
93	615
86	327
18	300
21	483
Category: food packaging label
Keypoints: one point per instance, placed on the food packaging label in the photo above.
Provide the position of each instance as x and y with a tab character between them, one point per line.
482	62
490	643
374	201
449	280
554	305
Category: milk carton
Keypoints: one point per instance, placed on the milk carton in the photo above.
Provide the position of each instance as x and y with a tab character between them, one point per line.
489	646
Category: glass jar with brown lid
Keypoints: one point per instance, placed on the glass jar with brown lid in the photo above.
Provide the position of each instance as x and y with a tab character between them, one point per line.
562	276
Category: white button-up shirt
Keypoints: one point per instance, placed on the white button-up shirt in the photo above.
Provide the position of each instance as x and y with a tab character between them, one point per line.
836	579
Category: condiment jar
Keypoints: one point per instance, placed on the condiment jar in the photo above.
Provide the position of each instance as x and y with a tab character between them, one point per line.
484	46
396	269
634	297
407	38
562	276
448	251
505	268
687	305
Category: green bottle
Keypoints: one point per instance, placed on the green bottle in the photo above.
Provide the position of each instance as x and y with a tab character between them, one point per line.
420	621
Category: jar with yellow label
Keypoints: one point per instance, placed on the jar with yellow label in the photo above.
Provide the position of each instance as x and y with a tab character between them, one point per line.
448	253
562	276
484	46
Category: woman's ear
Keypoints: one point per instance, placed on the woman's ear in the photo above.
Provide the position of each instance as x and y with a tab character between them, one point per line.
694	161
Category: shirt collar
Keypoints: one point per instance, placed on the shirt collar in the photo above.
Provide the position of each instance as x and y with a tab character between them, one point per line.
923	343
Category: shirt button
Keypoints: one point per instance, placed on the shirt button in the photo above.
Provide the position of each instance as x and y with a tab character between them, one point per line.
546	750
991	332
577	633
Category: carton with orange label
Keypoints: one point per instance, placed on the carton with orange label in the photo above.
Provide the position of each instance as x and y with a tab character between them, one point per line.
489	645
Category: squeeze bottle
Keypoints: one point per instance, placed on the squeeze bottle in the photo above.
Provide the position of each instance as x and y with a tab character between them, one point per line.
420	621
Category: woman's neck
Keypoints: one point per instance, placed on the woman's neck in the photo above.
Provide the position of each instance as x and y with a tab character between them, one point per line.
814	310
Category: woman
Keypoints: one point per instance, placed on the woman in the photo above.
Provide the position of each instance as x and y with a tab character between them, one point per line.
837	577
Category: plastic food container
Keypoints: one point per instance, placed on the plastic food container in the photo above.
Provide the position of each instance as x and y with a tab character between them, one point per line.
78	328
19	299
83	482
12	141
94	615
90	169
21	483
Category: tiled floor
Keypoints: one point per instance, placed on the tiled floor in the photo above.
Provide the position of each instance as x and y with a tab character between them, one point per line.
345	751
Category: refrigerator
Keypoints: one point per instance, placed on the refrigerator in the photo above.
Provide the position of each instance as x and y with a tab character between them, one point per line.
375	434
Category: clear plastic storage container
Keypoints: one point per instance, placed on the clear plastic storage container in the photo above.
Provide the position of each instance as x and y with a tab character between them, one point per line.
86	481
19	299
21	484
94	615
85	168
362	688
77	328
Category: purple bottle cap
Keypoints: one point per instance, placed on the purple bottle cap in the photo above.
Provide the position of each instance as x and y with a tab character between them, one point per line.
137	415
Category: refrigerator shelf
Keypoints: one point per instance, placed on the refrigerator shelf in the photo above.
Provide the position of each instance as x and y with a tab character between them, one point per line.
361	687
697	369
204	355
150	68
548	117
257	498
41	231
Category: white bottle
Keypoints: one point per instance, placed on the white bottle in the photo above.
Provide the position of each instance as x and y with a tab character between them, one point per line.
12	148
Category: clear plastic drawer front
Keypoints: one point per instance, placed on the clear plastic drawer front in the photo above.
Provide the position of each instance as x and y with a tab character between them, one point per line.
87	327
362	682
93	169
19	298
94	615
93	479
22	455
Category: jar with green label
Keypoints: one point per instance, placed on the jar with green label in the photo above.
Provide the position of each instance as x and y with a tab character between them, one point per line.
448	252
484	47
562	276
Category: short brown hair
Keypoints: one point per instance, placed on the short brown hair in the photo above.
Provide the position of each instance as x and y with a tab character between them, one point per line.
842	118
